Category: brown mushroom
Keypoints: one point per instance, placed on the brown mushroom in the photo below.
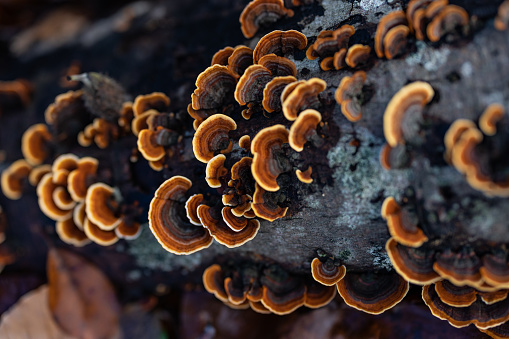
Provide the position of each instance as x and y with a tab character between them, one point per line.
261	12
101	206
213	87
265	147
327	63
98	235
456	296
221	56
234	222
282	292
13	178
70	233
460	268
140	122
357	55
245	142
495	270
417	94
211	137
37	173
224	234
213	281
148	146
168	222
157	101
62	198
318	295
327	273
279	43
272	92
388	22
350	95
128	229
413	264
305	176
339	59
215	170
45	190
35	144
401	228
304	129
411	9
488	120
303	96
454	133
448	19
265	207
327	42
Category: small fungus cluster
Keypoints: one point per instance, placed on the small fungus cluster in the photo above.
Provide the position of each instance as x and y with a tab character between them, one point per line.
424	19
265	288
334	50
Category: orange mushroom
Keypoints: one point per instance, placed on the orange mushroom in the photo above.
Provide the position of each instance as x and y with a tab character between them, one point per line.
13	179
213	281
415	94
215	170
304	129
454	133
265	147
37	173
327	273
277	65
357	55
148	145
101	206
157	101
260	12
128	229
495	270
339	59
98	235
251	84
411	9
140	122
234	222
81	178
168	222
245	142
35	144
240	60
272	92
45	190
70	233
279	43
395	41
404	231
212	136
303	96
350	95
305	176
192	208
318	295
502	18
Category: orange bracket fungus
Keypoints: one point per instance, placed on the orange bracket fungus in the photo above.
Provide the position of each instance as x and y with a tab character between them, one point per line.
448	19
267	165
213	86
101	206
251	84
305	176
490	117
495	270
388	22
279	43
304	95
240	59
98	235
215	170
168	222
357	55
69	233
401	227
35	144
327	273
192	208
221	56
304	129
350	95
277	65
14	177
372	292
412	96
272	92
265	205
260	12
211	137
395	41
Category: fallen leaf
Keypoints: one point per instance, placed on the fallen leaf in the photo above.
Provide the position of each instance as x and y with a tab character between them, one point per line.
81	298
31	318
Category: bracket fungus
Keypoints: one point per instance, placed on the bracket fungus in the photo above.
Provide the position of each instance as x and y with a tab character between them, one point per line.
305	176
211	137
272	93
350	95
372	292
304	129
401	228
213	86
302	96
35	144
279	43
502	19
69	233
192	208
446	21
327	273
411	97
265	147
240	59
265	205
490	117
101	206
221	56
260	12
168	222
357	55
215	170
14	177
388	22
251	84
98	235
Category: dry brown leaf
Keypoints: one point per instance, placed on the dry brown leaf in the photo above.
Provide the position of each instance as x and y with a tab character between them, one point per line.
81	298
31	318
